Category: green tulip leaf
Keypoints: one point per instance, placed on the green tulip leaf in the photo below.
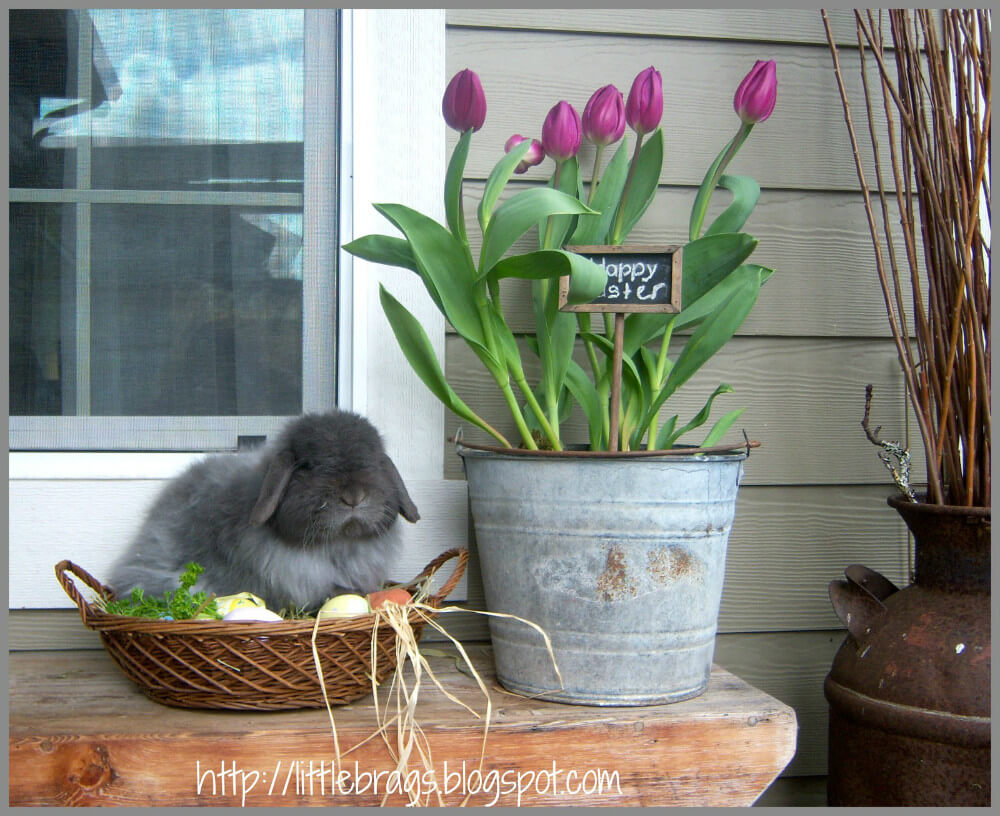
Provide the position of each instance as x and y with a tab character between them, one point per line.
419	352
444	263
713	299
708	260
719	429
554	231
453	187
587	278
746	192
517	215
584	392
383	249
391	251
556	333
593	229
644	184
498	179
665	432
644	327
699	419
707	339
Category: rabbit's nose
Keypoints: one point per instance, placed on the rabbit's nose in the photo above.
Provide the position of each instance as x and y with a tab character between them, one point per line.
352	497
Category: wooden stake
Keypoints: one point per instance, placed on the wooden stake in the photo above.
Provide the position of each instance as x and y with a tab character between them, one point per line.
616	379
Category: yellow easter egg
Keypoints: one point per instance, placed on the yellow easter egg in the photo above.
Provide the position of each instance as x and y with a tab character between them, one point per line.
241	600
344	606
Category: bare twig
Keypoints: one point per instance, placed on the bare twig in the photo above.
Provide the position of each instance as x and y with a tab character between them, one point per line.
939	93
894	456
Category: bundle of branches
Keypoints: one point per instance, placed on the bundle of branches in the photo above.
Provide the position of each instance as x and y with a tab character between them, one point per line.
934	87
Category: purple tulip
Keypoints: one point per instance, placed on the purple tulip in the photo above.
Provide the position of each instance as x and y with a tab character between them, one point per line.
562	132
534	156
604	116
754	99
645	102
464	103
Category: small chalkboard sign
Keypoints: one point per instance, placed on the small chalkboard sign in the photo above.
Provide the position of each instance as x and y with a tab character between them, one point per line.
640	279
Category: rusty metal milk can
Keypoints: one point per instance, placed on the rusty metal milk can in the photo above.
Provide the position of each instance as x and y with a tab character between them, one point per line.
909	690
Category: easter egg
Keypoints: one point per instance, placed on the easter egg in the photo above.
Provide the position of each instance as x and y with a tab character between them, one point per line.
344	606
396	595
227	603
253	613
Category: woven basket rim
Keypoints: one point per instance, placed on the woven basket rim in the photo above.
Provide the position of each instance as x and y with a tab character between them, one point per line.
98	620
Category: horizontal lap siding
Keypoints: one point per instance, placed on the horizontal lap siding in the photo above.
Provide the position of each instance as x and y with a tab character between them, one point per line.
804	145
761	25
814	493
804	400
825	284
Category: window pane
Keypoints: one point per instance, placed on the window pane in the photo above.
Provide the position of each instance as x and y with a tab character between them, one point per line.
42	307
195	311
156	220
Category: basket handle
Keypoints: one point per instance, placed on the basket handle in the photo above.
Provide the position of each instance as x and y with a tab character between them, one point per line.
462	554
64	567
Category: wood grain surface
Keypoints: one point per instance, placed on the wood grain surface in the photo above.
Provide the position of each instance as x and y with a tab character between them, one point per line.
81	734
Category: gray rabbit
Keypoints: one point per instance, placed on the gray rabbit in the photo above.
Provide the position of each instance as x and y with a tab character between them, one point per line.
306	517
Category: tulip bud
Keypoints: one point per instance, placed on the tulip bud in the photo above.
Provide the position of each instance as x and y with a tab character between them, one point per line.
534	156
464	103
562	132
645	102
754	99
604	116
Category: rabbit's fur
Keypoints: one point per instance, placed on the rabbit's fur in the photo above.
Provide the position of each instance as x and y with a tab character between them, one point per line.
304	518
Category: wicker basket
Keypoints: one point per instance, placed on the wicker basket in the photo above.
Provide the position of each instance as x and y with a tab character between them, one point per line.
249	666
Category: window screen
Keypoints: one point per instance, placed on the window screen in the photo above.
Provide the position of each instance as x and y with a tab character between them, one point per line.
162	290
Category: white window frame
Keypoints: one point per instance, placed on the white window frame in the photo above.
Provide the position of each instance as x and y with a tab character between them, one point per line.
393	149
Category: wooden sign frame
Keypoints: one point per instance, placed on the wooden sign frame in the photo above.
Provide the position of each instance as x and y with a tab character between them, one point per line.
676	276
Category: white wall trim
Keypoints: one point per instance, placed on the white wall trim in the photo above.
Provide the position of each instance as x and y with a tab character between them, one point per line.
399	156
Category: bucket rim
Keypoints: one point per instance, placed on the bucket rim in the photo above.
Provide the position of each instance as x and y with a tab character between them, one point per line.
684	453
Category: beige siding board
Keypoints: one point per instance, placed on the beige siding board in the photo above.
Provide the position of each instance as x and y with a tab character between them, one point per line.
804	401
818	244
804	145
763	25
788	543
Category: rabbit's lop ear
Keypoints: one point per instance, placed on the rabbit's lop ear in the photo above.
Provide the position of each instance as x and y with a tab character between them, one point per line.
279	471
407	509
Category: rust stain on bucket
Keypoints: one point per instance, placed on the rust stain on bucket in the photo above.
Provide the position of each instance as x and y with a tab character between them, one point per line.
669	564
614	583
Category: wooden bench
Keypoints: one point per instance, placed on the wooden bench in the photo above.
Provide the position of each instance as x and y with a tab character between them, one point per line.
82	734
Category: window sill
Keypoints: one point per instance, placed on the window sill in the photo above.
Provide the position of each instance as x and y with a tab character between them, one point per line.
25	465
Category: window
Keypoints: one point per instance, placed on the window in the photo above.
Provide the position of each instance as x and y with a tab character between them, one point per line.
83	503
165	292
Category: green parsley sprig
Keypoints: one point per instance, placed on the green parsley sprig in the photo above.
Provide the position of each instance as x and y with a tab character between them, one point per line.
178	604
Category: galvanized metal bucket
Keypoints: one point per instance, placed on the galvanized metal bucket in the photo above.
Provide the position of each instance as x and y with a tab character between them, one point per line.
619	559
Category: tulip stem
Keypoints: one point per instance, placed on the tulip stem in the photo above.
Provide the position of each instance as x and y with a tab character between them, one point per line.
529	396
712	179
593	176
661	375
616	236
